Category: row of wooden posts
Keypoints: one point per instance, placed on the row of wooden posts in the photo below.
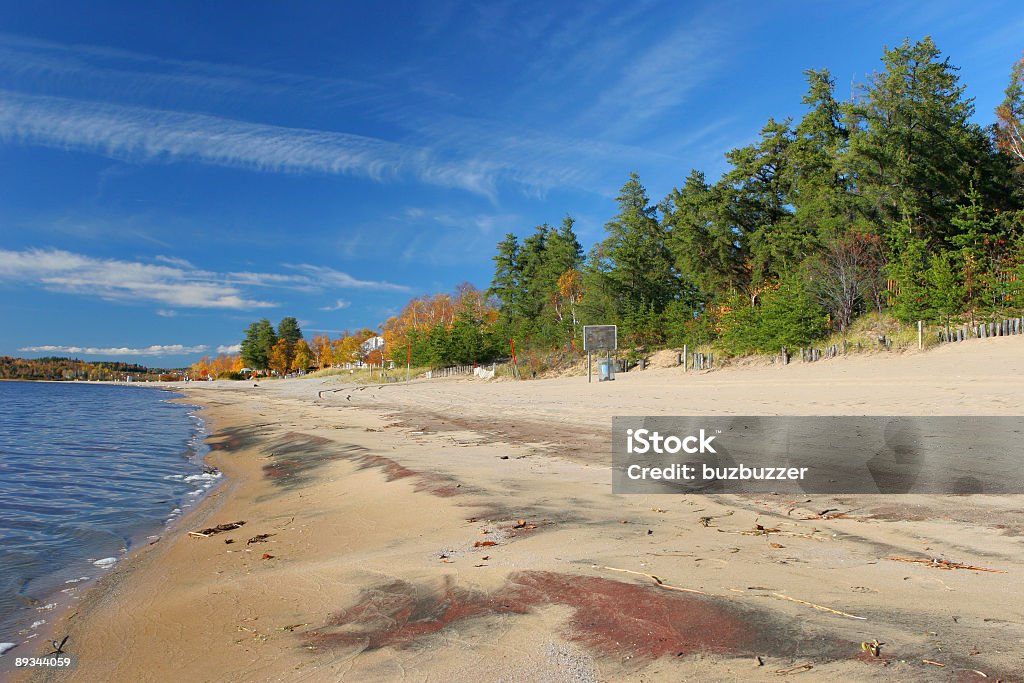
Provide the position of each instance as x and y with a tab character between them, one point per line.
450	371
697	361
1003	328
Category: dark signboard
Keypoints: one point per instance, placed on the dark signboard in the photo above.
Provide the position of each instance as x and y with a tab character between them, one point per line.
600	337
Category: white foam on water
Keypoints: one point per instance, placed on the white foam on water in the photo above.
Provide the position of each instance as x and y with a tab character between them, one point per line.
205	476
37	624
6	647
106	562
80	578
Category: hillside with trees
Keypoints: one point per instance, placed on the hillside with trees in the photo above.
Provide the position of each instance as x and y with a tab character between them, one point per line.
892	203
57	369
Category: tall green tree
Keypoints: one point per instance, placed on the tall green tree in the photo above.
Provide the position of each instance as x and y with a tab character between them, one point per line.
257	345
818	180
759	187
506	286
705	246
288	329
635	263
913	147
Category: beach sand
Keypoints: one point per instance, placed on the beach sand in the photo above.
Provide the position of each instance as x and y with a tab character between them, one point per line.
465	530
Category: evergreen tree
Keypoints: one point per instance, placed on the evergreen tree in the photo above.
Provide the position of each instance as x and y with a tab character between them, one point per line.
506	286
259	340
288	329
759	190
913	148
636	263
705	247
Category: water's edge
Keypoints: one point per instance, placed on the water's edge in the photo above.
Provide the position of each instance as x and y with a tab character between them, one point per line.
63	601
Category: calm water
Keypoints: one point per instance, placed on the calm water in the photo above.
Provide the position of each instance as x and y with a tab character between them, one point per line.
86	473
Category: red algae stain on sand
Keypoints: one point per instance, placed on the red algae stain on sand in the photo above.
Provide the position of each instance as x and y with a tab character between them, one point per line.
608	616
399	613
613	616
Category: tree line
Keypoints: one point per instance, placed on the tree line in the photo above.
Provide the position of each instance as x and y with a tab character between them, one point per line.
56	369
892	201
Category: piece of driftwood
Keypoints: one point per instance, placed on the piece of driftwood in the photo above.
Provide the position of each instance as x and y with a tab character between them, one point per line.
818	607
936	563
657	581
795	670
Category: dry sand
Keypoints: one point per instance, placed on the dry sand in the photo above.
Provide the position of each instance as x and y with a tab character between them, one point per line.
382	504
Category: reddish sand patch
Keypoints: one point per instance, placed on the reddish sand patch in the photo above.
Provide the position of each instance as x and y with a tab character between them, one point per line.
609	616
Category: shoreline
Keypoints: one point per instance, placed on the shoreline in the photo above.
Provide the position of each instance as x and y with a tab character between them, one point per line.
65	597
483	509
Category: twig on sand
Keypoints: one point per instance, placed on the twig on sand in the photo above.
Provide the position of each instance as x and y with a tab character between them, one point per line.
936	563
928	661
819	607
657	581
795	670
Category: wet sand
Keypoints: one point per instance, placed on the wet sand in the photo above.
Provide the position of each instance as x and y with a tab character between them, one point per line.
465	530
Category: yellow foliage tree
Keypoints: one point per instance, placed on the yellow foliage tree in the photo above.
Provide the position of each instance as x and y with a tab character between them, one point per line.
302	357
280	359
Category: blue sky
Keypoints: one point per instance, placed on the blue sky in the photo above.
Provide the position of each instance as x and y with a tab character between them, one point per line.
170	172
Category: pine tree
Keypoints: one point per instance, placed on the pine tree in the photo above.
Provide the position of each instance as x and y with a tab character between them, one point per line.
636	261
288	329
706	249
913	148
259	340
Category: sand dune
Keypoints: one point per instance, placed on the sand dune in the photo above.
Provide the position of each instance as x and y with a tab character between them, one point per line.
465	530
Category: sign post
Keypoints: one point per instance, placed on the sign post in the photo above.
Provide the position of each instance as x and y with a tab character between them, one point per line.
597	338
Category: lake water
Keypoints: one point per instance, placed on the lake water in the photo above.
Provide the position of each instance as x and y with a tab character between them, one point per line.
87	472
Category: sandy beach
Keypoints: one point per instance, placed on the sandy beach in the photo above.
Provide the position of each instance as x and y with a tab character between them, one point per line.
465	530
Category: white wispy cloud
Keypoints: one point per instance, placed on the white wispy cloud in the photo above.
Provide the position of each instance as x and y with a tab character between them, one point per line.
123	73
229	348
141	134
175	286
155	350
328	277
63	271
337	305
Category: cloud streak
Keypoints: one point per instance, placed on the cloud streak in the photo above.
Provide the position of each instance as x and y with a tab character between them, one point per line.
155	350
176	286
138	134
337	305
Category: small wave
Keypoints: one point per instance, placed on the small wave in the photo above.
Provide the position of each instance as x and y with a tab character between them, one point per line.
6	647
106	562
205	476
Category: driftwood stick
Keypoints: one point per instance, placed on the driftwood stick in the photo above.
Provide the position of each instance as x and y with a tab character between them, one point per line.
946	564
657	581
818	607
